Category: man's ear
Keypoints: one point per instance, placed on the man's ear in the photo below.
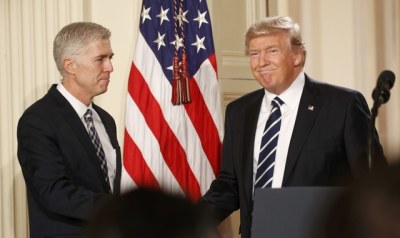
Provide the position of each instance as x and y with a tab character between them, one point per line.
298	59
69	66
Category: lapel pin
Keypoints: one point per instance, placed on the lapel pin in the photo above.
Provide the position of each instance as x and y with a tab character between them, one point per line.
310	108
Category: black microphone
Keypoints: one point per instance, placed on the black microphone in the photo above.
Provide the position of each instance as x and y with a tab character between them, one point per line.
381	94
385	82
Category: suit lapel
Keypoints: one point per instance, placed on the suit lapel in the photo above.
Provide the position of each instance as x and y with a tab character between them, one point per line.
309	107
250	125
79	131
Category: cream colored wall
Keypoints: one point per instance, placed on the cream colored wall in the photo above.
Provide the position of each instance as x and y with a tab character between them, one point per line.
349	43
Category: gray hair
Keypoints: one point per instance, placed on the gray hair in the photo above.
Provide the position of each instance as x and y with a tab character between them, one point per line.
74	38
273	24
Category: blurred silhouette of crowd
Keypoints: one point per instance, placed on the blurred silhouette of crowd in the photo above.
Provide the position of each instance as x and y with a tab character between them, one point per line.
144	213
368	209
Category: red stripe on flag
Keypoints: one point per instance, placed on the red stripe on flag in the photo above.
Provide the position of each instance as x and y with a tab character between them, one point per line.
173	153
136	166
213	61
204	125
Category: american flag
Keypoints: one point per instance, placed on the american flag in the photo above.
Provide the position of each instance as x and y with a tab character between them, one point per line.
176	148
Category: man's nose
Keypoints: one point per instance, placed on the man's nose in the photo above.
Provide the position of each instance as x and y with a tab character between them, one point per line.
108	66
264	59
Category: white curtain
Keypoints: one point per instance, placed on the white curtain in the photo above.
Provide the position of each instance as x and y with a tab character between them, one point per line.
27	69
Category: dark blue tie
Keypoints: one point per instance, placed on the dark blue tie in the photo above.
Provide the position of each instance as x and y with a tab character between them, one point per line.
269	142
97	145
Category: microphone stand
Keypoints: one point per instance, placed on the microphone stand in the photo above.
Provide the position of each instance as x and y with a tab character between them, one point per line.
374	114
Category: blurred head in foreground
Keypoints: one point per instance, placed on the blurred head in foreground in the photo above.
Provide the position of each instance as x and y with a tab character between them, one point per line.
144	213
370	209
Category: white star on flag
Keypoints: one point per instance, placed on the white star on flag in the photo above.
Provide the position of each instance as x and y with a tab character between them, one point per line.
178	42
201	18
182	18
145	14
163	15
199	43
160	40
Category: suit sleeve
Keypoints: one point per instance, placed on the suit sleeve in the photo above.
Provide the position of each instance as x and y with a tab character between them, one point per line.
46	173
223	193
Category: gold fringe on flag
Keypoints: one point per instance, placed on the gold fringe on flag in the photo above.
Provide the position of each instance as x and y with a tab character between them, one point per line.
180	81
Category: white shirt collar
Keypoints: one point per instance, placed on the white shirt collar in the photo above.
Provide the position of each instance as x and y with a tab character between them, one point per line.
78	106
291	96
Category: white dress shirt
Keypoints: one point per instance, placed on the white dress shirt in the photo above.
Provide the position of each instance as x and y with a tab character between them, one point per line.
291	99
109	151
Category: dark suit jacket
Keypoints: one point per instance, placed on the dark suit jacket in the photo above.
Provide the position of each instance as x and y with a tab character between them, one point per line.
62	172
329	146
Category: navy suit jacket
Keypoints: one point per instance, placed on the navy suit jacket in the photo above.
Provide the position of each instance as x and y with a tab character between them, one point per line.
329	146
61	170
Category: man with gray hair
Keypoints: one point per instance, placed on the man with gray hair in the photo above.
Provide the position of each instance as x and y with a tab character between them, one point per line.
295	131
67	145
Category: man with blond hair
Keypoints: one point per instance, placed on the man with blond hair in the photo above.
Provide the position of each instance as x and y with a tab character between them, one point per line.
295	131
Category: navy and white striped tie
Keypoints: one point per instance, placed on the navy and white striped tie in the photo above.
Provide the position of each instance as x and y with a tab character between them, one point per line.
269	142
97	145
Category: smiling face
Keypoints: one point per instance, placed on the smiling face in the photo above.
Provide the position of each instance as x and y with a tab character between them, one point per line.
274	63
89	72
